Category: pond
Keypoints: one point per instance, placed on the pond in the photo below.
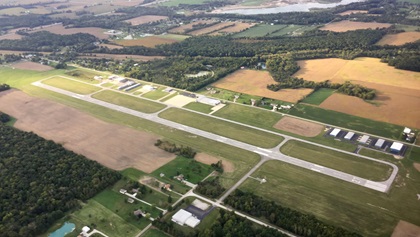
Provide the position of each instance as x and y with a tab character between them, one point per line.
298	7
65	229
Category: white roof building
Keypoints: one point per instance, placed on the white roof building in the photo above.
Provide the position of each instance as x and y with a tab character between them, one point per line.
379	143
335	132
208	101
364	139
149	87
396	146
407	130
182	217
85	229
349	136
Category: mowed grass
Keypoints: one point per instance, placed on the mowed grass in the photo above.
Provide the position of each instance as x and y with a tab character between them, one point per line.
73	86
223	128
347	121
155	233
128	101
318	96
199	107
337	202
336	160
155	95
192	170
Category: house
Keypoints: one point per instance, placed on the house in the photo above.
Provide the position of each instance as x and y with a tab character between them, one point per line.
364	139
379	143
335	132
139	212
349	136
396	147
85	229
182	217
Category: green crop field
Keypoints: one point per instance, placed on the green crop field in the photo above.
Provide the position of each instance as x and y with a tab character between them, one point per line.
340	203
223	128
318	96
192	170
347	121
129	101
259	30
336	160
199	107
70	85
155	95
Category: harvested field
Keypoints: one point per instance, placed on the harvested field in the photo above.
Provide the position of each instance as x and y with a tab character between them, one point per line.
398	91
299	127
11	36
211	29
61	30
25	65
123	56
254	83
405	229
237	27
349	12
183	28
208	160
145	19
114	146
343	26
400	38
150	41
417	166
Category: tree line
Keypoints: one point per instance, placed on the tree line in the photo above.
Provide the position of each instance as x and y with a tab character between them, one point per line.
296	222
184	151
34	191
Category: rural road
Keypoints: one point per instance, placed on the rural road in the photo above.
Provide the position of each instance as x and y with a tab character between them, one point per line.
273	153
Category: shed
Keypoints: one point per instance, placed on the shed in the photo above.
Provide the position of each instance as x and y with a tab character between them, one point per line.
335	132
396	147
407	130
379	143
349	136
182	217
364	139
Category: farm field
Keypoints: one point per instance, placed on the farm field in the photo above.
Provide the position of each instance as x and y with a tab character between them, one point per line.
343	26
292	30
122	56
336	160
172	3
237	27
11	36
259	30
27	65
80	132
340	203
223	128
318	96
181	29
145	19
61	30
211	29
299	127
398	91
70	85
148	41
129	101
254	82
400	38
349	12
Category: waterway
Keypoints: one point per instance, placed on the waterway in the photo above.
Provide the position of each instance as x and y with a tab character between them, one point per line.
65	229
299	7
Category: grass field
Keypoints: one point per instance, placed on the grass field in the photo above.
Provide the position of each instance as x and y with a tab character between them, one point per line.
223	128
336	160
341	203
318	96
376	154
86	75
73	86
199	107
292	30
192	170
155	233
128	101
156	94
260	31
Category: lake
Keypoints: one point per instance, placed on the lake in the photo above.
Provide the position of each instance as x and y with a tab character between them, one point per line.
65	229
299	7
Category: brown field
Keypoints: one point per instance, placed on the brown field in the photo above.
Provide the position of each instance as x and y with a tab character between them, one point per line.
398	91
349	12
299	127
208	160
25	65
210	29
417	166
254	83
400	38
11	36
111	46
405	229
112	145
59	29
239	26
145	19
19	52
122	56
343	26
150	41
183	28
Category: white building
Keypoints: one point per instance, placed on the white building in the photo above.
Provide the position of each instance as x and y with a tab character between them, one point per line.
349	136
396	147
208	101
335	132
182	217
407	130
364	139
379	143
149	88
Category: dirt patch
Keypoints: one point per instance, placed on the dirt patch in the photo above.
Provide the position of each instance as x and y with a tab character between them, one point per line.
61	30
405	229
343	26
112	145
299	127
208	160
150	41
400	38
145	19
25	65
180	100
417	166
254	82
349	12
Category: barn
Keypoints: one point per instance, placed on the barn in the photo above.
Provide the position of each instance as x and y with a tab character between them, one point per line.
379	143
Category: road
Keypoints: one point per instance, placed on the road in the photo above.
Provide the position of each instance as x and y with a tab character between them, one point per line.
273	153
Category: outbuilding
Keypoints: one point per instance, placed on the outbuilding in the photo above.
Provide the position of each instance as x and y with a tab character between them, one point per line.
349	136
396	147
379	143
182	217
208	101
335	132
364	139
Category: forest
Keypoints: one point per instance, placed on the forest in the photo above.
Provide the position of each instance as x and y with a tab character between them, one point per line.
34	190
210	188
296	222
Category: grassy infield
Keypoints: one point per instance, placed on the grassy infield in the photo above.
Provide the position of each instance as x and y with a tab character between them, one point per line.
369	212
